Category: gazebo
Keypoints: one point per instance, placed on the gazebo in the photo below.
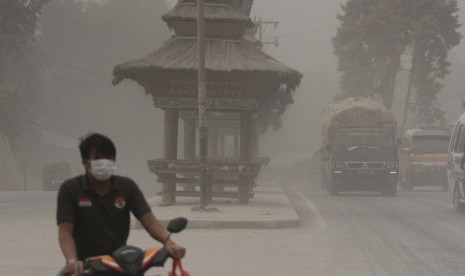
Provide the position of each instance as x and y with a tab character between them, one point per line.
241	79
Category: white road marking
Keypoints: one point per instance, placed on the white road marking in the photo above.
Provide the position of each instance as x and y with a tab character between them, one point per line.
320	221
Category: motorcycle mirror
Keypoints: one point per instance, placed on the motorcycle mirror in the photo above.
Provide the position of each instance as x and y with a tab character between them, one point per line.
177	225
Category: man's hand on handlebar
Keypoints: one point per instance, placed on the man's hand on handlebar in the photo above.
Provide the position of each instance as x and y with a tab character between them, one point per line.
177	252
74	267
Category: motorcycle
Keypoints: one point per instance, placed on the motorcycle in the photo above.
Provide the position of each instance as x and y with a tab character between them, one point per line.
130	260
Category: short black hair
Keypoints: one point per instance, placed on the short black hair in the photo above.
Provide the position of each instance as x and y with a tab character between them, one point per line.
101	144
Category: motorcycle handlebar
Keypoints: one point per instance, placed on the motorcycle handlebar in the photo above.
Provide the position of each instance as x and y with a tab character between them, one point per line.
174	226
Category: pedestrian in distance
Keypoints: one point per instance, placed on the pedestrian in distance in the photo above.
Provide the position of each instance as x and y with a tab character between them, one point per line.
93	209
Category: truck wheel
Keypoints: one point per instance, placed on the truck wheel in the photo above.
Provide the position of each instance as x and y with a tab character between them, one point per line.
458	206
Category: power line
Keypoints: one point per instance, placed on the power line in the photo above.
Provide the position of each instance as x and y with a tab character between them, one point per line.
108	6
52	21
16	36
61	18
70	65
67	16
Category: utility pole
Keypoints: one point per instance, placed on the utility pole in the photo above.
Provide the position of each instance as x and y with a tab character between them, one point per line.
202	100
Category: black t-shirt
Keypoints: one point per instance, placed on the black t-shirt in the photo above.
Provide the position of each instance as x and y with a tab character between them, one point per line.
101	223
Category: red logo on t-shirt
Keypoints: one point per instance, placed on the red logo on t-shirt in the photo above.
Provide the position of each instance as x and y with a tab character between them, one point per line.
85	201
120	202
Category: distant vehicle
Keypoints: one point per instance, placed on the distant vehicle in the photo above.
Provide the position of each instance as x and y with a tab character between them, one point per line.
423	158
54	173
455	168
360	147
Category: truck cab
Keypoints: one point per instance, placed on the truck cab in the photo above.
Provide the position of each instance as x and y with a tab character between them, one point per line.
423	158
362	159
359	138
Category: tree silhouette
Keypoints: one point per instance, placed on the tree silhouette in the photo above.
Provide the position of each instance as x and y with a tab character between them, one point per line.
376	36
19	21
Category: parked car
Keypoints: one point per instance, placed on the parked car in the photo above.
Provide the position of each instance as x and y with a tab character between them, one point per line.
455	164
423	158
54	173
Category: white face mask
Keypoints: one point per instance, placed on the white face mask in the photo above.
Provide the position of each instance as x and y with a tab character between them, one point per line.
102	169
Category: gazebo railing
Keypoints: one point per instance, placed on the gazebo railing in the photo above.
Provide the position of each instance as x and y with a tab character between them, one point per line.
225	179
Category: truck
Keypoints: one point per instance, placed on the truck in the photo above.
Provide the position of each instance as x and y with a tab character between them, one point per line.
359	147
423	157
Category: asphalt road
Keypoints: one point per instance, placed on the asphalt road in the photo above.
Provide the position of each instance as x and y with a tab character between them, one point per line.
415	233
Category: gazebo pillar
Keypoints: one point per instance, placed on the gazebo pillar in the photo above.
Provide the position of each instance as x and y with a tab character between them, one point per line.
245	154
213	143
255	142
221	141
236	144
189	147
170	152
245	136
189	139
215	154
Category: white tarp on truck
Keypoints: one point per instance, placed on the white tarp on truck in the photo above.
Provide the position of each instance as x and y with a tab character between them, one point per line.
354	113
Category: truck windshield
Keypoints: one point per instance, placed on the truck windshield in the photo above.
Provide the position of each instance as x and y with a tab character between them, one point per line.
363	138
430	145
